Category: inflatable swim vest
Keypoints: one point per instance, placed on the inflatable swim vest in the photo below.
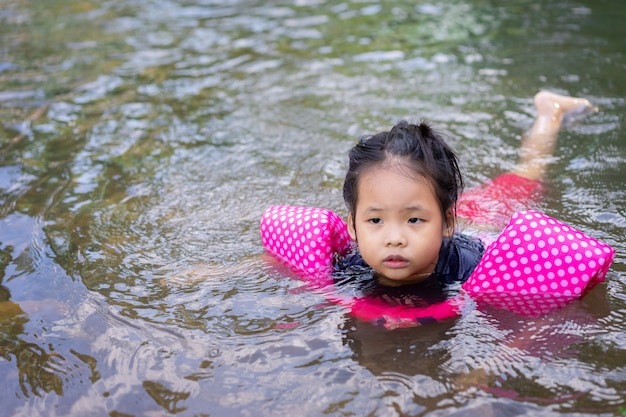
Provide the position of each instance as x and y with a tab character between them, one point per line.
536	264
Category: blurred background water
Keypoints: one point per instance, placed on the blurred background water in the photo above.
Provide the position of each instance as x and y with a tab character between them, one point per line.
141	140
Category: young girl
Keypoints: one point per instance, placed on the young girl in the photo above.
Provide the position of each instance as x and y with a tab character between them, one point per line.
402	192
400	250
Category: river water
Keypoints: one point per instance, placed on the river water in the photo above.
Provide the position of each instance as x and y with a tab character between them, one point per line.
141	140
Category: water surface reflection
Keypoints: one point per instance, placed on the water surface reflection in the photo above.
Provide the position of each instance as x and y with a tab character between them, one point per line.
141	141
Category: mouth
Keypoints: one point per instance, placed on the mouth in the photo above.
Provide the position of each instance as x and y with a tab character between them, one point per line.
395	261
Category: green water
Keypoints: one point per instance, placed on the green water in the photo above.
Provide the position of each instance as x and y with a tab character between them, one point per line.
140	141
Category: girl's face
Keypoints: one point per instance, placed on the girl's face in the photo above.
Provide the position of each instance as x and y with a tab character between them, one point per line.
398	224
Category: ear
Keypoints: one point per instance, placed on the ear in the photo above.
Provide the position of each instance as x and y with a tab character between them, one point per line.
448	225
351	228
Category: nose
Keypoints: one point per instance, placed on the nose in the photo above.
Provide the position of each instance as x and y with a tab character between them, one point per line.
395	238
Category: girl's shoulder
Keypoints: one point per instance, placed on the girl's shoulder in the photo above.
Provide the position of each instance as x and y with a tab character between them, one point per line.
458	257
468	242
349	261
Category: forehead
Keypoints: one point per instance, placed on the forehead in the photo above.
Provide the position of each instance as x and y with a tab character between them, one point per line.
398	182
391	168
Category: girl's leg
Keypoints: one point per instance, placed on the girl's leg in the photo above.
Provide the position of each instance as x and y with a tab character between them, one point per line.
539	143
493	203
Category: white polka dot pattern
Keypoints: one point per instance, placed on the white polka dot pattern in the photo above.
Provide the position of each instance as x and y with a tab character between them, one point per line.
538	264
305	238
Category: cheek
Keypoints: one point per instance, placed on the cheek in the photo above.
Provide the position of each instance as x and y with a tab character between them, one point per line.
365	243
368	253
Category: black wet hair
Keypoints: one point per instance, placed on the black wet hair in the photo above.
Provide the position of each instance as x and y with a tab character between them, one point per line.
416	147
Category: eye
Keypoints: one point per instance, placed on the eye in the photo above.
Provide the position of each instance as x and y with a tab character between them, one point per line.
414	220
375	220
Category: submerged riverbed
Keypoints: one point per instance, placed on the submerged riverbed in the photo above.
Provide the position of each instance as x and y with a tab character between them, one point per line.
140	142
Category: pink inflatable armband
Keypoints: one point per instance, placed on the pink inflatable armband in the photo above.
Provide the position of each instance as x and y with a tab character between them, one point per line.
305	239
537	265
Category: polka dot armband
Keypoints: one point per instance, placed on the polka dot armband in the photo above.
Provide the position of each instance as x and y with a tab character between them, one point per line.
305	239
537	265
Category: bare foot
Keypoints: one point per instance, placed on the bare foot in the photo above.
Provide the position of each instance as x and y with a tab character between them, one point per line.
560	107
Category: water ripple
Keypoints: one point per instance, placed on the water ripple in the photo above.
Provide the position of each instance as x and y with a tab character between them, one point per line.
133	281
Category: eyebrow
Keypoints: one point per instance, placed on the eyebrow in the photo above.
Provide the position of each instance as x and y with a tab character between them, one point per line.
406	209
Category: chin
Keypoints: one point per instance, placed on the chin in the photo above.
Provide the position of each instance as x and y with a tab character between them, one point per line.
396	282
